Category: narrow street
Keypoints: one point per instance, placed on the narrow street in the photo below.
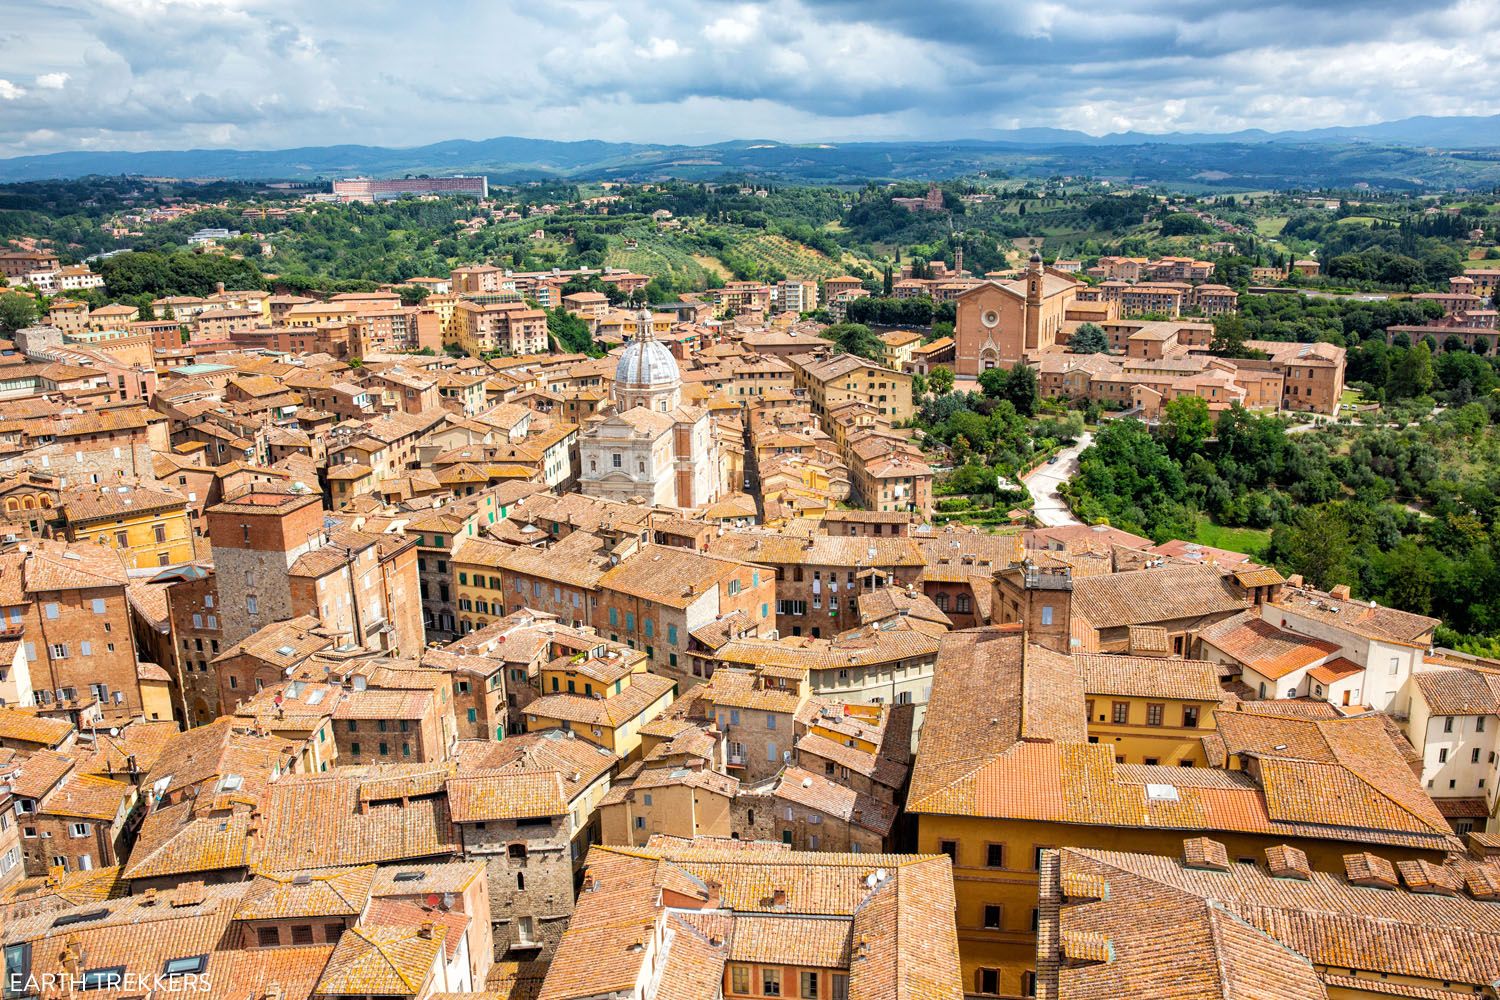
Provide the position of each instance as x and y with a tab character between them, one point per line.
1050	509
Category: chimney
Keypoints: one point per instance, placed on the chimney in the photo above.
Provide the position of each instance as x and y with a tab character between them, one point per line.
1284	861
1341	592
1428	878
426	929
1205	855
1368	870
714	891
778	899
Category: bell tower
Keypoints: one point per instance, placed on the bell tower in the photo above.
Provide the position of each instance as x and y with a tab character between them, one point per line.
1034	301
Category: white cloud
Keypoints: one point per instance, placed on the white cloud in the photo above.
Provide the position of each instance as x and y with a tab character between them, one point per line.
276	73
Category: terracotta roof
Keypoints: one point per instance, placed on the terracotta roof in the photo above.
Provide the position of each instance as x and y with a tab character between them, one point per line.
643	691
314	820
1269	650
1340	779
1173	930
1460	690
314	893
381	961
23	727
1147	596
790	907
1149	677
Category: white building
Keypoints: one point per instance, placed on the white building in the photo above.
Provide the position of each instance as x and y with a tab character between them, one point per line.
1455	715
647	445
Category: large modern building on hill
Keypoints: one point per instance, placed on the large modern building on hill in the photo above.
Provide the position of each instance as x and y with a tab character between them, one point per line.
369	189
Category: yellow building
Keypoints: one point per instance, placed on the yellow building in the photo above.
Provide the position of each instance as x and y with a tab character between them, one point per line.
1007	770
1150	710
899	345
149	525
671	801
602	694
156	692
831	379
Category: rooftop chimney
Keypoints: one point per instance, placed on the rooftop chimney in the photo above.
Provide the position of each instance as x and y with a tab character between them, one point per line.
1284	861
1205	854
1369	870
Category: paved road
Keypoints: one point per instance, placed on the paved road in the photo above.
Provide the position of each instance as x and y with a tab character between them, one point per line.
1050	509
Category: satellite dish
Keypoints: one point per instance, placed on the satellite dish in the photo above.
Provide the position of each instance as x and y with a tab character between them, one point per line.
447	900
114	730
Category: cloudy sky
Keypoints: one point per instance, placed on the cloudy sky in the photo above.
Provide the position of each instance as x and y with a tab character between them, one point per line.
164	74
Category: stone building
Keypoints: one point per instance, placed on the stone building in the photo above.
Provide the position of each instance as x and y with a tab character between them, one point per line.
649	445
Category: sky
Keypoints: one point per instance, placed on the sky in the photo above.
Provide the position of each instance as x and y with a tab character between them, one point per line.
269	74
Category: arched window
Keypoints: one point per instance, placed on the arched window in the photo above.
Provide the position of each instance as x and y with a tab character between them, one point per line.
28	502
517	852
11	504
963	604
941	601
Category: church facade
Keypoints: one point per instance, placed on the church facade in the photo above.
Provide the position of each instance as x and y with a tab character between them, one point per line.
646	444
999	323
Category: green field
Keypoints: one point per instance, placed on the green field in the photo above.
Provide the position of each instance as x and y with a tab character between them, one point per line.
1251	541
1271	225
659	254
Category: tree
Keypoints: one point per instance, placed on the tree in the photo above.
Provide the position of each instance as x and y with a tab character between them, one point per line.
1414	373
855	338
1185	426
17	311
1317	545
1018	386
887	283
1089	338
1021	389
940	380
570	332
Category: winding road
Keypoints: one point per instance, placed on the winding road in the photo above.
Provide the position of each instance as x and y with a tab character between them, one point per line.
1050	509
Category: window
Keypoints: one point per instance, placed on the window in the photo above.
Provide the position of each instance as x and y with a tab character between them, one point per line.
1479	724
840	987
1443	756
50	610
1153	715
98	605
991	916
1046	614
989	980
252	606
1121	712
78	830
950	848
739	978
1028	984
267	937
770	982
104	979
809	983
1474	758
1395	665
1448	724
302	934
1189	717
994	855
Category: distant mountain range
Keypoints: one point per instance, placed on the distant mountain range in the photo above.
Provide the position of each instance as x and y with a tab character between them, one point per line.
1413	152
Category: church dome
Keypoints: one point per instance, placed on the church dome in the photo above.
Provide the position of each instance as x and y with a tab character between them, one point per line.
646	361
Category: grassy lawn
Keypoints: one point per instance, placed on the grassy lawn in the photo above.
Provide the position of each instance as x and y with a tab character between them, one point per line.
1251	541
1271	225
1353	397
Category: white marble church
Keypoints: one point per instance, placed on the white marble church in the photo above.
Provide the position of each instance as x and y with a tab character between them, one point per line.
647	445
